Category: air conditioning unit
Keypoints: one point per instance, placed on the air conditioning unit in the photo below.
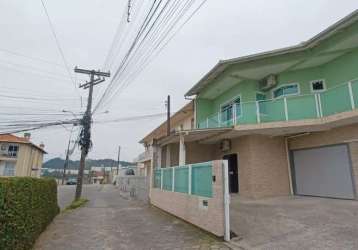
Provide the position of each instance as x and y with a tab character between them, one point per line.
225	145
268	82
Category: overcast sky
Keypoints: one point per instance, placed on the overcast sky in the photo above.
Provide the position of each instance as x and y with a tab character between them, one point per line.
85	28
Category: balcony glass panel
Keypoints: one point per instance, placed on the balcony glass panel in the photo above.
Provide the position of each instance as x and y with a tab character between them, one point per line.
336	100
355	92
213	121
302	107
246	113
272	110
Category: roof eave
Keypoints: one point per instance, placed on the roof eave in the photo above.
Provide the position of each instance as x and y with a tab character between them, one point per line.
223	64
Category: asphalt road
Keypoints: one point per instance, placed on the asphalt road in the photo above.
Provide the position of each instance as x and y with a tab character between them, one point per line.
110	222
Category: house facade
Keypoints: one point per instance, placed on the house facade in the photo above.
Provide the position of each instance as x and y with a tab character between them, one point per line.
19	156
158	152
286	120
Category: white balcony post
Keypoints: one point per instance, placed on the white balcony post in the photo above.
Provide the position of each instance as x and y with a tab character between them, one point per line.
320	105
286	109
219	119
258	112
189	179
351	95
182	150
207	122
234	114
317	106
173	180
161	179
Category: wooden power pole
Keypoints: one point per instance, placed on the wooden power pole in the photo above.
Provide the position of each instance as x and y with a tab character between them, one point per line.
118	163
168	115
85	136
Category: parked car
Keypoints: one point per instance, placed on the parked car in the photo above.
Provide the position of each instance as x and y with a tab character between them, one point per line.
71	181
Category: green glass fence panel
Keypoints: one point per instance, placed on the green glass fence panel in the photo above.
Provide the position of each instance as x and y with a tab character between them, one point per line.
213	121
335	100
355	92
247	113
272	110
181	183
167	179
202	124
201	180
226	118
157	178
301	107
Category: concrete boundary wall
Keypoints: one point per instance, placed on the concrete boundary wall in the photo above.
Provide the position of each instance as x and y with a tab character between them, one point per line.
206	213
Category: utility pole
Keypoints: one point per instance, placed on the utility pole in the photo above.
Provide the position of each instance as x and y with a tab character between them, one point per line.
168	115
85	136
119	153
65	165
66	161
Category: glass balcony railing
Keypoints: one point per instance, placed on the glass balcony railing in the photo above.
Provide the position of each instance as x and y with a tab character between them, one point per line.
335	100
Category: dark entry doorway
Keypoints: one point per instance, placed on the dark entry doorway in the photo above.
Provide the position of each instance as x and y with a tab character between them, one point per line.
233	173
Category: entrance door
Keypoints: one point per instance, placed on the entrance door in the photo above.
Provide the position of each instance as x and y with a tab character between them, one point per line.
324	171
233	173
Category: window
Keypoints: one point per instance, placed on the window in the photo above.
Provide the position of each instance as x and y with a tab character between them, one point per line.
3	147
318	86
227	110
9	169
12	150
181	127
260	96
285	90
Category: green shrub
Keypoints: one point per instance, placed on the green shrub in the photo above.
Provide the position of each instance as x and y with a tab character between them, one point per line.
27	206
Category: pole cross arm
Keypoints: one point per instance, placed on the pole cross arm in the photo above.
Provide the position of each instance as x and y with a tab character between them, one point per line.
92	72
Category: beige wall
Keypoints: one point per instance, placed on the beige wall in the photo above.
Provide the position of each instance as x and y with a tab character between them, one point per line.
262	163
347	135
187	206
196	153
28	157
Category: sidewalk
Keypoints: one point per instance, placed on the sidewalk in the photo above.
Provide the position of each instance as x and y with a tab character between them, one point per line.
109	222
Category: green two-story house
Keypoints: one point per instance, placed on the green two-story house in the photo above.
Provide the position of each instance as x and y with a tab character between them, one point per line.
286	120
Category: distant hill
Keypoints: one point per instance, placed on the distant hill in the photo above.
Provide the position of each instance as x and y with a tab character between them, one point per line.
57	163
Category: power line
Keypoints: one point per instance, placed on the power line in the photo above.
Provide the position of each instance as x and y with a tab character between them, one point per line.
58	45
149	48
31	57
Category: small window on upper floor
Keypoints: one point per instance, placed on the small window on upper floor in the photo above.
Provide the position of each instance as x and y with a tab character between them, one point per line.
3	147
318	86
181	127
286	90
12	150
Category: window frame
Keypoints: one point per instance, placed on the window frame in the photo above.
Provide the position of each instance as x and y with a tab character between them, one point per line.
286	85
6	169
231	101
13	153
318	91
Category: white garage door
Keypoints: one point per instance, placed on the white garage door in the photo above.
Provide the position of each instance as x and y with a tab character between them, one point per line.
324	172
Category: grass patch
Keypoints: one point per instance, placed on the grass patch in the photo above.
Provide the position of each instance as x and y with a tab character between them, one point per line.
76	204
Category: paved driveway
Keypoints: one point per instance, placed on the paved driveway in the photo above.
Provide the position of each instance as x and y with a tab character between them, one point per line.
295	223
109	221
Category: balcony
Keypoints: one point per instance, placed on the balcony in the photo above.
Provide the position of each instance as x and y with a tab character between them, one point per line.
145	156
339	99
